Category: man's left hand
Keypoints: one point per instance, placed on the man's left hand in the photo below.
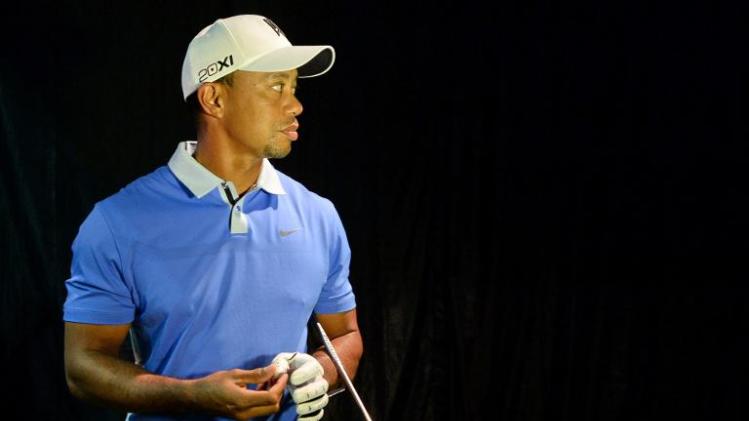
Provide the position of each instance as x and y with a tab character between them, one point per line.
306	384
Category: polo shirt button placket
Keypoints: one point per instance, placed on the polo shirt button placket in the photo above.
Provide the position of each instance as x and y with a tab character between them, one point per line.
239	223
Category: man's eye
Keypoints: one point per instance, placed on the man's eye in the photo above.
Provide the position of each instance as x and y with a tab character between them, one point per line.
278	87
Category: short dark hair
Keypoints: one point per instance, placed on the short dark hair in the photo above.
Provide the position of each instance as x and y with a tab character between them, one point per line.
194	105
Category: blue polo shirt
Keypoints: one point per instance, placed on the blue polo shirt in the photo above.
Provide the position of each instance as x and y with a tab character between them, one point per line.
210	281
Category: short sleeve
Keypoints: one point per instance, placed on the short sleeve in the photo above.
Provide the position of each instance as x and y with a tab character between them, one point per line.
337	295
97	291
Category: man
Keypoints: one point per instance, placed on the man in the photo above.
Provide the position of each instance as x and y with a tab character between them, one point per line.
216	261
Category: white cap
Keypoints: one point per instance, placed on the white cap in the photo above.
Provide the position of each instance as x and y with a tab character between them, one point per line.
248	42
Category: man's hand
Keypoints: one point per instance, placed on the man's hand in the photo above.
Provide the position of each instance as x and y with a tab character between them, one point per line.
306	384
225	392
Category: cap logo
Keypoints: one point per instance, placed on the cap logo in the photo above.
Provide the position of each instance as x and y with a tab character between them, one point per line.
214	68
273	26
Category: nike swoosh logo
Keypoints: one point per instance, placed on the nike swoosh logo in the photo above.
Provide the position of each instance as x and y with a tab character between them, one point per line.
285	233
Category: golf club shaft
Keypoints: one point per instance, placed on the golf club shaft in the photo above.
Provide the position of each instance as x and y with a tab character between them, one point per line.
342	371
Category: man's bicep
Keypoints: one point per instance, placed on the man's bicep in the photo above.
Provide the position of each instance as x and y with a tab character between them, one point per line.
338	324
83	337
92	362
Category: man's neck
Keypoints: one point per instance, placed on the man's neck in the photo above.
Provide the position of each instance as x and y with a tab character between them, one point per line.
228	162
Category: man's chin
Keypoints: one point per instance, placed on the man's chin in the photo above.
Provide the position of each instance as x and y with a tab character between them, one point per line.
278	151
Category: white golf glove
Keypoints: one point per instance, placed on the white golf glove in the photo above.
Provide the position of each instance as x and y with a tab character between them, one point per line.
306	384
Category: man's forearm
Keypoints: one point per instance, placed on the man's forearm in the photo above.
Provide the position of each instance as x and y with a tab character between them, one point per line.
349	349
105	379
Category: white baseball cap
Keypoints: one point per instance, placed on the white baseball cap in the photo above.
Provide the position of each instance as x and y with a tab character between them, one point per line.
248	42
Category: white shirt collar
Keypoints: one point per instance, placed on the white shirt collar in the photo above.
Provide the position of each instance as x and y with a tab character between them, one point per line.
201	181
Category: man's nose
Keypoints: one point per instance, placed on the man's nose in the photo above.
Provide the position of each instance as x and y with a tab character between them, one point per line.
295	106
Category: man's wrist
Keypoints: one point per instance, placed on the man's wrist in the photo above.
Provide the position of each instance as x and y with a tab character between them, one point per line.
330	372
188	391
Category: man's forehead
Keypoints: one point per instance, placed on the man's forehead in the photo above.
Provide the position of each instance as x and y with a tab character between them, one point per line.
257	77
288	74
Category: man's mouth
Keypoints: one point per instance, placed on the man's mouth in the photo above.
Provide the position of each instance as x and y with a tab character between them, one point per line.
291	131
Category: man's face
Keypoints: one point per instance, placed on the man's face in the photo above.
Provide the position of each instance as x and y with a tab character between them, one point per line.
261	112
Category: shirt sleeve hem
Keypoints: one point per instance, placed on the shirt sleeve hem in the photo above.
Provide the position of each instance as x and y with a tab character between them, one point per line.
96	317
339	306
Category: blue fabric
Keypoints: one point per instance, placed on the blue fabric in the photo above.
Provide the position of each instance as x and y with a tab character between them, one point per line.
200	298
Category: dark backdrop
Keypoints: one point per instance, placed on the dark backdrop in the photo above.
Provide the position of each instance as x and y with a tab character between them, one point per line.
546	201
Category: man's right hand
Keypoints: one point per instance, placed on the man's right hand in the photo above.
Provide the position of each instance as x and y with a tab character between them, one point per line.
225	393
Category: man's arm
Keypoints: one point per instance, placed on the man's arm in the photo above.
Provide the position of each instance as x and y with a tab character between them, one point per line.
95	373
343	330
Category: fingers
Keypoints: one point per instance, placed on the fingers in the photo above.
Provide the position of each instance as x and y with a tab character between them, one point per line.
305	382
281	362
281	366
303	367
306	372
225	393
312	406
270	396
256	376
310	391
312	417
279	385
264	402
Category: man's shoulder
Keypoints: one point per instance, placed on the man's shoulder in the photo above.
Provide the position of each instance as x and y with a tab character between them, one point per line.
298	192
139	193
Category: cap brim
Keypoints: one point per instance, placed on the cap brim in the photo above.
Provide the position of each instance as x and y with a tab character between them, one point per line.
310	60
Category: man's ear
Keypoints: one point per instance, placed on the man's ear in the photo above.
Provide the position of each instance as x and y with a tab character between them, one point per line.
211	99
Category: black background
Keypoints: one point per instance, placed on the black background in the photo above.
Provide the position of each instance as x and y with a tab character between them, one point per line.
546	201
